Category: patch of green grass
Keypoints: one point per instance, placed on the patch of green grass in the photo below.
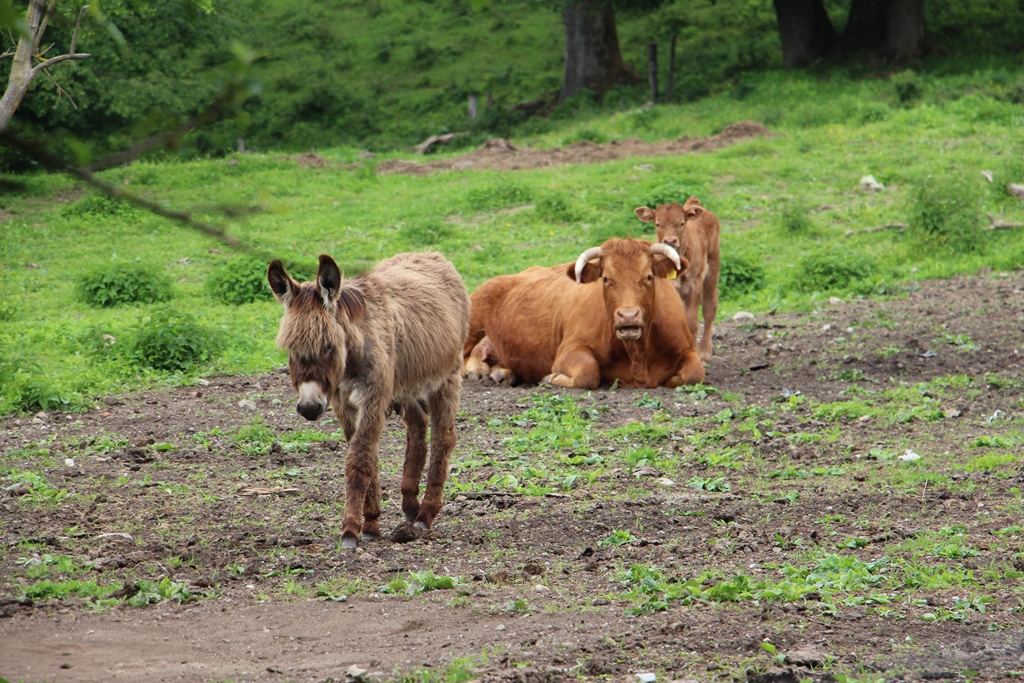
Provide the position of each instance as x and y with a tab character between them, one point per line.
421	582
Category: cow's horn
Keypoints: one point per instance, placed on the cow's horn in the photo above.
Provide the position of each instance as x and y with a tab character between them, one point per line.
662	249
581	262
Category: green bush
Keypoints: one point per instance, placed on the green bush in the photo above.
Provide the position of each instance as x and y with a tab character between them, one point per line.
873	112
909	86
667	193
829	271
172	341
739	275
123	283
24	387
497	197
555	208
945	211
424	234
241	280
794	219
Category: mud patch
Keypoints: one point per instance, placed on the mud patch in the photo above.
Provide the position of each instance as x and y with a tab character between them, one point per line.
501	155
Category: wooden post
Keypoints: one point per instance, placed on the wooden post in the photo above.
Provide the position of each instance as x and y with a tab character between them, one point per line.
652	71
670	86
472	107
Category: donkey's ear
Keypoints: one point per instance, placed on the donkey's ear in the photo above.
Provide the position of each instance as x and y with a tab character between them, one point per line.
328	279
283	286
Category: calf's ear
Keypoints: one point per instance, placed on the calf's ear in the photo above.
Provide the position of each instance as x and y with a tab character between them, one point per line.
663	267
281	284
328	280
691	212
645	214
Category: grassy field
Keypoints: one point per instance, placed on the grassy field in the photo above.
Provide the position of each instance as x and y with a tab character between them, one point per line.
795	223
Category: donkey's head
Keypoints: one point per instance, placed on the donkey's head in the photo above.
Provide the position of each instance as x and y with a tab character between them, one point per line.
312	333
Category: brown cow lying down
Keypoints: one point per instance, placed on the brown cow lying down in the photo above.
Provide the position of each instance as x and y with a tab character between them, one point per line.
611	315
693	231
387	340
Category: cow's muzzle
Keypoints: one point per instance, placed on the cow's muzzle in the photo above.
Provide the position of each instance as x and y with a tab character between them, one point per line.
629	324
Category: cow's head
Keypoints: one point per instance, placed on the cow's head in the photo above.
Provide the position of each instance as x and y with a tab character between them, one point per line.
628	270
669	220
311	332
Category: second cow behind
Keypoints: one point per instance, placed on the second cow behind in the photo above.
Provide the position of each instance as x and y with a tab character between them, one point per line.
610	316
693	231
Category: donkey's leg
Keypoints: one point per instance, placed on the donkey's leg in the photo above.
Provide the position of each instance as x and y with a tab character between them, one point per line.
444	404
371	506
415	458
361	469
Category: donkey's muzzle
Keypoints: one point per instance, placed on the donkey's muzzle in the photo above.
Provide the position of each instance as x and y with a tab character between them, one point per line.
311	410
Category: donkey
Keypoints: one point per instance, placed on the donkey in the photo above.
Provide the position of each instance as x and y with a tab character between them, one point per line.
388	340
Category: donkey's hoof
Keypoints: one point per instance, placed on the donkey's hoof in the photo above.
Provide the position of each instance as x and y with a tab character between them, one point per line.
368	538
349	544
420	526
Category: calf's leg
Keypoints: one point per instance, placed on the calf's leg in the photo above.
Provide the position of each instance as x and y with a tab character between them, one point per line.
709	306
444	404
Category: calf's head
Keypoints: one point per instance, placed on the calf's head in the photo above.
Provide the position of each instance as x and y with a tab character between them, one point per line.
312	331
628	270
669	220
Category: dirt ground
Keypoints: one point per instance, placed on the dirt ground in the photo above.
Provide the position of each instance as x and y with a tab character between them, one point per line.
501	155
541	596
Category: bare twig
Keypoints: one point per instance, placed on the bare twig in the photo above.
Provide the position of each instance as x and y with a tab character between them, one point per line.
60	91
1000	224
205	117
60	166
877	228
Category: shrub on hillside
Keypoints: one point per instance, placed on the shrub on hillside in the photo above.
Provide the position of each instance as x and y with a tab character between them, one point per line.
739	275
123	283
945	211
795	219
909	86
241	280
172	341
556	208
497	197
423	234
830	271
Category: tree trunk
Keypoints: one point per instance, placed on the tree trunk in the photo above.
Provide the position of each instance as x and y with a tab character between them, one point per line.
671	85
865	27
593	59
23	70
21	66
893	29
806	31
905	34
652	71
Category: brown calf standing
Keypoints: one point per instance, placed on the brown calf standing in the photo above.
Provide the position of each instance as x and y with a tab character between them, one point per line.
389	340
693	231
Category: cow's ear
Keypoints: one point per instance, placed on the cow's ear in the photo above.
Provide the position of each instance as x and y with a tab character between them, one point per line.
328	280
281	284
663	267
591	271
693	212
645	214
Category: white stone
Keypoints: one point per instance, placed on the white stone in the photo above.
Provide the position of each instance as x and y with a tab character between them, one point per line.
743	315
